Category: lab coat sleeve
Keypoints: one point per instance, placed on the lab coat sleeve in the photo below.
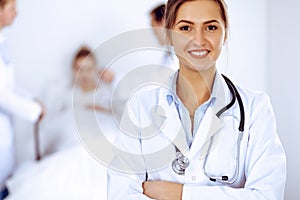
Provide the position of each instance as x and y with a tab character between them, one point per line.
127	171
265	165
19	105
123	186
12	101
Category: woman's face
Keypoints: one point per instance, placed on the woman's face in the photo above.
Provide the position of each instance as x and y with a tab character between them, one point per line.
198	35
85	71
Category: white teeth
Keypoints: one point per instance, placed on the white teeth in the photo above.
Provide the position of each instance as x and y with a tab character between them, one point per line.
199	53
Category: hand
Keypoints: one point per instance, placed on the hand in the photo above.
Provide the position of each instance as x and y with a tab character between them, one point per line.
163	190
43	110
97	108
106	75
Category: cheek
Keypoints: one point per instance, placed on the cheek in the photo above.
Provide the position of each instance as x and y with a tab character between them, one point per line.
74	73
222	39
219	45
218	42
77	75
7	15
180	42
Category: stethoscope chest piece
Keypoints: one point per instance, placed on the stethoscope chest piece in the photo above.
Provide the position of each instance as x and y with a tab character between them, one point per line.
180	163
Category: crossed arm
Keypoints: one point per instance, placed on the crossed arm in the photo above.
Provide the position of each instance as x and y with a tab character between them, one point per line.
162	190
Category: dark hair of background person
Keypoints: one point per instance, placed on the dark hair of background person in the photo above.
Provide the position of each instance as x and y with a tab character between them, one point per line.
84	51
158	12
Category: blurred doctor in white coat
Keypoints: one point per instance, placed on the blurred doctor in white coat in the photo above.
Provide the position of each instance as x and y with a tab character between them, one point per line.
199	136
12	102
168	57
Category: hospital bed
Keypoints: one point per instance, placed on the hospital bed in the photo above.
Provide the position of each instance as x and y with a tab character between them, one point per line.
71	173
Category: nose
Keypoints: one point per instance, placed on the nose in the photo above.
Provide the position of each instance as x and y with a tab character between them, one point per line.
199	38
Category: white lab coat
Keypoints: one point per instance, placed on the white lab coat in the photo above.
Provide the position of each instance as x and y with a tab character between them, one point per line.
12	104
262	168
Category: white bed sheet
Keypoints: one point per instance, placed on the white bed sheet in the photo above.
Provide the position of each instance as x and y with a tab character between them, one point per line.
69	171
70	174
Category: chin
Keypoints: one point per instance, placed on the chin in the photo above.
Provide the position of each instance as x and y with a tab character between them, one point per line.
203	67
198	66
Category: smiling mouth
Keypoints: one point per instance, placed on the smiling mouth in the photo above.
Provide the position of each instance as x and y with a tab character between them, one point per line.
199	53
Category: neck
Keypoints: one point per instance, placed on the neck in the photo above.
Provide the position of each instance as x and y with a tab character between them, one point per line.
194	88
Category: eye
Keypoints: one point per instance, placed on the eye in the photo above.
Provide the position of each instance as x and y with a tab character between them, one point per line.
185	28
211	28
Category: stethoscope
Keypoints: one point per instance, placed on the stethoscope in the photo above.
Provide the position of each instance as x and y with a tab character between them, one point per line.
181	162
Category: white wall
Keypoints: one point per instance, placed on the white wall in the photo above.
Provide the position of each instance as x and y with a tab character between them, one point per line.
247	43
283	83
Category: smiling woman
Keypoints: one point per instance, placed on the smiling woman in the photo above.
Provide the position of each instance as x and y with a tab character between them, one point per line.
209	138
202	32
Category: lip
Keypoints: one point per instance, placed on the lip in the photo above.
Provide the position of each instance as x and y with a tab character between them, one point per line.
199	53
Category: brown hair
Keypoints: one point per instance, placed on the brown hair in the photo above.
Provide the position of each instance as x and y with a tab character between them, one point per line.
83	52
3	3
172	9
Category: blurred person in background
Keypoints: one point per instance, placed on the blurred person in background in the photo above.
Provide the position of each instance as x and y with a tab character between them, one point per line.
168	57
140	65
90	89
76	113
13	102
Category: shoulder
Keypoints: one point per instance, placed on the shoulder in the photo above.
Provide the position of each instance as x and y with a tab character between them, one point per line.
146	95
257	104
252	97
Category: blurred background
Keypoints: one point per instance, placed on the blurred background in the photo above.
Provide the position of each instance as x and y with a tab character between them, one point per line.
262	53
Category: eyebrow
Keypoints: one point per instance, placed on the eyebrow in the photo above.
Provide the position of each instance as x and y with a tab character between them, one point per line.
189	22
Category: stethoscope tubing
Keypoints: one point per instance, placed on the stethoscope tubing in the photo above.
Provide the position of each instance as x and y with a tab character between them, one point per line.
235	95
240	102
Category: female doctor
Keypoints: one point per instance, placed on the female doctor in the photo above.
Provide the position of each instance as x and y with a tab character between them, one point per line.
200	137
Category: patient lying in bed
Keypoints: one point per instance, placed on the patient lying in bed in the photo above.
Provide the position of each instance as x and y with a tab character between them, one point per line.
90	91
78	117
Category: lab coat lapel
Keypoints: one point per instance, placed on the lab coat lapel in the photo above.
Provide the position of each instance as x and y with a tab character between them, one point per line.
171	127
210	124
